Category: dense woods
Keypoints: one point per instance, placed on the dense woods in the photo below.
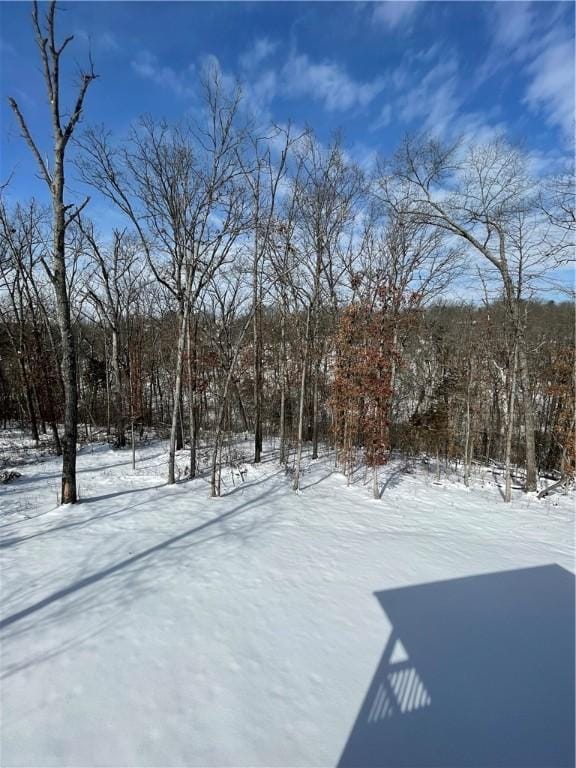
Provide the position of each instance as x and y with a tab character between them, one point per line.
262	286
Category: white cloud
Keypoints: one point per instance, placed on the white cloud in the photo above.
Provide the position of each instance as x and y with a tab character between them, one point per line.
432	95
327	82
435	99
104	41
542	45
384	118
262	49
512	24
262	90
211	68
393	14
146	65
552	87
108	42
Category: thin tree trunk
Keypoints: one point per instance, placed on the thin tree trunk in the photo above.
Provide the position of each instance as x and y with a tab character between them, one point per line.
296	482
257	321
131	407
375	482
117	390
29	400
467	457
531	469
215	471
509	432
283	388
177	392
316	409
192	363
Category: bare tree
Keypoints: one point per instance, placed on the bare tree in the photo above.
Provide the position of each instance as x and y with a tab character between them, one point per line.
111	287
63	214
263	175
328	191
179	188
479	196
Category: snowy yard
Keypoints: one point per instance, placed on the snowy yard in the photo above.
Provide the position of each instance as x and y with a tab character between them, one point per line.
152	626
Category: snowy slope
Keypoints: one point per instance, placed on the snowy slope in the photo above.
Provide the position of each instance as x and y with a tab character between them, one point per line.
153	626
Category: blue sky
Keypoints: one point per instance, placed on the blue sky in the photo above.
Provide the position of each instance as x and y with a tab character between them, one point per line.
373	70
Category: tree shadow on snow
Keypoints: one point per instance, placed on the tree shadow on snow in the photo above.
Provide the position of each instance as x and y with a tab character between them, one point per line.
394	477
105	591
477	671
78	521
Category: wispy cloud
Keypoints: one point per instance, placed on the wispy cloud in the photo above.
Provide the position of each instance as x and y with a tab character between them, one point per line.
147	66
327	82
551	89
384	118
104	42
394	14
542	45
512	24
436	99
430	92
108	42
261	50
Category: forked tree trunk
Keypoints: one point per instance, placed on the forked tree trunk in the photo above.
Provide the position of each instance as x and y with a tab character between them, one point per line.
50	55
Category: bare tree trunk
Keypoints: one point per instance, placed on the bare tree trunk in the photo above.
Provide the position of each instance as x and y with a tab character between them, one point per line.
29	399
177	392
107	389
257	378
69	372
117	390
375	482
192	409
215	472
316	408
531	469
283	388
131	411
50	55
467	457
296	481
510	430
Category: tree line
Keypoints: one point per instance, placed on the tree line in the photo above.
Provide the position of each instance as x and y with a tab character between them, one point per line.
261	283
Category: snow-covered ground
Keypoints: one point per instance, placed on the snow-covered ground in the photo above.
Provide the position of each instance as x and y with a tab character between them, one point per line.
153	626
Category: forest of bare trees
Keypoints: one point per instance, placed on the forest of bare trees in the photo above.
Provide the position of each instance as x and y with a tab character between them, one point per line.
263	286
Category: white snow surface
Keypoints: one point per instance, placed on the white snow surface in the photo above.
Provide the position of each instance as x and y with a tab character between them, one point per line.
150	625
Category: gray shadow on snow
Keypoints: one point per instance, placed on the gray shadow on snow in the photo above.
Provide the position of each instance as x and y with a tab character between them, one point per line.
104	592
477	671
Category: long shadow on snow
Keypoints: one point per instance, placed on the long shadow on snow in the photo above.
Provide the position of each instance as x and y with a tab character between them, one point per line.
25	480
62	526
477	671
145	555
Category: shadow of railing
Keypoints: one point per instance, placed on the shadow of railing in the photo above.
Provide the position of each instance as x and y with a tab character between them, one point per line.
477	671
